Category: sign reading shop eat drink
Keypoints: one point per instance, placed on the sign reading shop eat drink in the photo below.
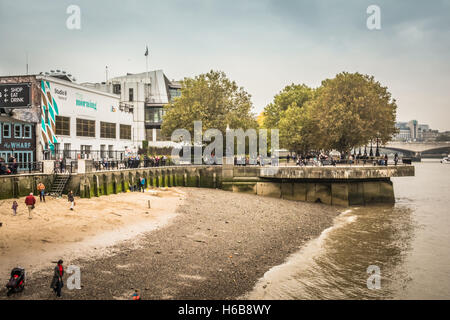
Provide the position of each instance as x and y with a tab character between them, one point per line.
15	95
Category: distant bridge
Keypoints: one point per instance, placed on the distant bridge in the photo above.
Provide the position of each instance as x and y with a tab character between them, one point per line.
418	148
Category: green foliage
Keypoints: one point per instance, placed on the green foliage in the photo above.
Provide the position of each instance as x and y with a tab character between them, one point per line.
213	99
298	129
353	109
293	94
345	112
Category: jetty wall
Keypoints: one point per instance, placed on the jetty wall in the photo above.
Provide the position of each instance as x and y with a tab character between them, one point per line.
341	186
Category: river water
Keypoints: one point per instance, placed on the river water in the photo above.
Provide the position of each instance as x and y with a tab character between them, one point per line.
408	242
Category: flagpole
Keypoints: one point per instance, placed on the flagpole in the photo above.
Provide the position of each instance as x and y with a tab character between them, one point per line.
146	61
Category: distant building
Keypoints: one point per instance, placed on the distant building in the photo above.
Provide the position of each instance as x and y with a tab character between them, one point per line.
146	93
413	131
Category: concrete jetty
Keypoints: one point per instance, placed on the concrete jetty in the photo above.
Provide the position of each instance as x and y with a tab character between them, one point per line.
342	185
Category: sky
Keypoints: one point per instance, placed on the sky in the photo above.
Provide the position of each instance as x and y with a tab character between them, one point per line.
263	45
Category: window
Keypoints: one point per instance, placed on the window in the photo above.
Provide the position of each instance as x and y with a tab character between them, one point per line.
67	150
85	128
102	151
57	148
27	131
63	126
125	131
17	131
111	151
107	130
6	130
130	94
116	88
154	114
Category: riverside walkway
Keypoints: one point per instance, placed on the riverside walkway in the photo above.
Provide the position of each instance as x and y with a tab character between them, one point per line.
341	185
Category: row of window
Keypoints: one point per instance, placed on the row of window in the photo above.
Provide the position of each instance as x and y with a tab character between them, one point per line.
86	128
20	131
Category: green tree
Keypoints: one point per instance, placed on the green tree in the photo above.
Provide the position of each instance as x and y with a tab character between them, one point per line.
213	99
353	109
294	94
298	129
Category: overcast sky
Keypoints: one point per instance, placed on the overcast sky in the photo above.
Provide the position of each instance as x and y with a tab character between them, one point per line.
261	44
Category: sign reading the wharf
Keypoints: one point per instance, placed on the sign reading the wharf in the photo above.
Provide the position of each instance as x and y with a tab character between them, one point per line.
15	95
16	145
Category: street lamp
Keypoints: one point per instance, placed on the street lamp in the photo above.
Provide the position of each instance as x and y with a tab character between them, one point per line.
377	152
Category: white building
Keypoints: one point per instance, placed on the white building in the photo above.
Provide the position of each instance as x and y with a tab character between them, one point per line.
80	122
146	93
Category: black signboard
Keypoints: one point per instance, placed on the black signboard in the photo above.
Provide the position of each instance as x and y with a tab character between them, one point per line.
15	95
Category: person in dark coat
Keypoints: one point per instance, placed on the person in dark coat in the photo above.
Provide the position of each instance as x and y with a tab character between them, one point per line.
57	281
71	199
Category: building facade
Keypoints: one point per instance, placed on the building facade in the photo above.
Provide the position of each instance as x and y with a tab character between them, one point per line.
65	120
79	122
146	93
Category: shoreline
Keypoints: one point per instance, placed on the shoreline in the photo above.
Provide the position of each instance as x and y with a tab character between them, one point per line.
217	246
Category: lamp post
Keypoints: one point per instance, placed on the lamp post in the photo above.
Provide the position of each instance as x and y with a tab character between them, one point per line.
377	152
371	150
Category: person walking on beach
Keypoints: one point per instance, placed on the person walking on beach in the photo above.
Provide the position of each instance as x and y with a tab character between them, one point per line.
41	189
14	207
142	183
71	199
57	281
30	201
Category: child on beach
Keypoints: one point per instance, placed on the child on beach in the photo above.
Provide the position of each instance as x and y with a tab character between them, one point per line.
14	207
136	295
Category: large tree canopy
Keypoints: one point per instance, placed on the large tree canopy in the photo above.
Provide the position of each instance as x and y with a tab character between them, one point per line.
345	112
353	109
213	99
291	95
298	129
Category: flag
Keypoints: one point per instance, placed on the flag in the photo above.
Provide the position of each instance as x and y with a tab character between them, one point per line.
146	51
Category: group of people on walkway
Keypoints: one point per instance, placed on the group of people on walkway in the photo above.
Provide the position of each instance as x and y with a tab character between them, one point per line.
153	161
9	167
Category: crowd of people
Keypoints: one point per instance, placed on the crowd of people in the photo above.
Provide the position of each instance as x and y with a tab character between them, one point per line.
319	159
131	162
323	159
9	167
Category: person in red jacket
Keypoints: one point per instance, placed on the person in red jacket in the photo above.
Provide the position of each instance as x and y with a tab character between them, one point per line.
30	201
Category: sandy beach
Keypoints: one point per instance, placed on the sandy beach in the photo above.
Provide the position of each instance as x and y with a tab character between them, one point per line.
95	224
192	243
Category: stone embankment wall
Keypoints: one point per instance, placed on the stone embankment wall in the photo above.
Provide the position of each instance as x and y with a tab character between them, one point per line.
333	186
16	186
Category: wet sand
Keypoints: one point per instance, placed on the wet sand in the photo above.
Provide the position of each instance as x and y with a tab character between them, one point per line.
217	247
